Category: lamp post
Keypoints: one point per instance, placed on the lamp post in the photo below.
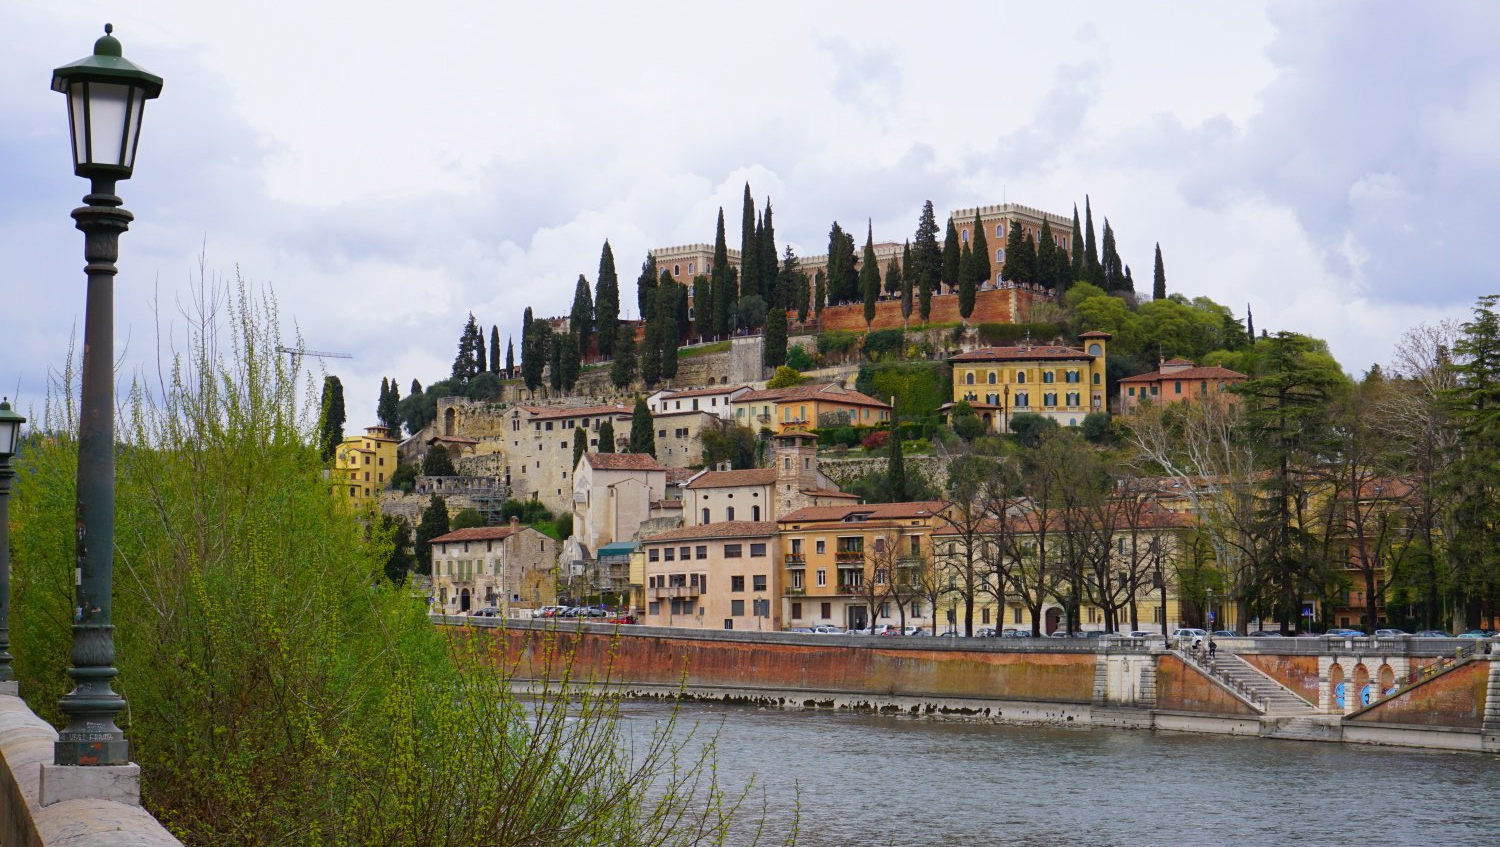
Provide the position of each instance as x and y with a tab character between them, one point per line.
10	435
106	100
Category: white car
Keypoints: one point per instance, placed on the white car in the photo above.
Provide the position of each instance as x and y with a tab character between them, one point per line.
826	629
1189	637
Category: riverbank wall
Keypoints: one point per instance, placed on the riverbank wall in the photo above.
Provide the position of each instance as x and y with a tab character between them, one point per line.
1303	689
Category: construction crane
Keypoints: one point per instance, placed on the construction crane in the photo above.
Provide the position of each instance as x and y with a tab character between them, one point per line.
321	354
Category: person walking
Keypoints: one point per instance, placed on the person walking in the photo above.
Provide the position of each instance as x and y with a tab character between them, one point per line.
1212	648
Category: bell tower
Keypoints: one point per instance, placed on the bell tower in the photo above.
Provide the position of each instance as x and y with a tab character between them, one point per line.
796	455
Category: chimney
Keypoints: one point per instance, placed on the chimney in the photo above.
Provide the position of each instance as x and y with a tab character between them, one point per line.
515	523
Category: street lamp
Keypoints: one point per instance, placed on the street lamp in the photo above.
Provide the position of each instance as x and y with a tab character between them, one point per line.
106	102
10	436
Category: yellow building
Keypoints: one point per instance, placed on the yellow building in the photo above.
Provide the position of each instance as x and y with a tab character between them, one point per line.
363	465
1052	380
808	407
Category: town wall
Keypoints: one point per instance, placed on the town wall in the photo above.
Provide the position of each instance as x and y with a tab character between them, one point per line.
995	305
845	471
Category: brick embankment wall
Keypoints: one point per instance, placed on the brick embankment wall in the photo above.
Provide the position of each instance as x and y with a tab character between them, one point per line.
993	306
1299	673
816	666
1180	688
1455	699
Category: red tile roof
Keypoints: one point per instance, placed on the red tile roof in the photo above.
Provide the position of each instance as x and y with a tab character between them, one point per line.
680	475
829	392
666	504
624	462
734	479
722	529
1211	372
1027	353
874	511
830	492
702	392
478	533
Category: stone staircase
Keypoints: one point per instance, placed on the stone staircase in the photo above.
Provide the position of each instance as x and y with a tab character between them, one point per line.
1277	699
1322	728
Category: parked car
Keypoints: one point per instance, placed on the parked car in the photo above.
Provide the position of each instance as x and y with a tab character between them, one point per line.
486	612
804	630
1342	632
623	619
1474	633
1141	633
1188	637
1012	632
949	634
1266	633
826	629
1391	633
916	631
985	632
1431	633
1225	633
1090	633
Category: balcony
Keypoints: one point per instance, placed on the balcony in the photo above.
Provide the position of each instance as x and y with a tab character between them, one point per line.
851	557
796	592
850	588
794	560
672	591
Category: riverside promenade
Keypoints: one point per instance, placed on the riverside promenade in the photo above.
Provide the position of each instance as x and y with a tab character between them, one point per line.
1430	693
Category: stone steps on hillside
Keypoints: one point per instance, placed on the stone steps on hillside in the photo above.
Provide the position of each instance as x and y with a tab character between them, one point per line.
1323	728
1278	699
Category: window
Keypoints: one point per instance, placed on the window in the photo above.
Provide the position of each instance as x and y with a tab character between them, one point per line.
732	551
758	551
669	554
549	426
729	513
761	607
821	545
1072	398
916	609
661	433
736	607
916	544
825	610
885	610
992	377
1096	379
653	608
966	236
1203	386
822	581
1022	400
755	516
653	555
1020	377
797	579
758	582
676	270
1049	400
702	551
796	611
737	583
1131	390
969	378
1049	377
1015	614
1177	386
705	516
1095	349
1000	254
984	615
729	622
797	546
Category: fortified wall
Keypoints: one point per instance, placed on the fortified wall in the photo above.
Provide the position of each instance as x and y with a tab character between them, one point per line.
994	305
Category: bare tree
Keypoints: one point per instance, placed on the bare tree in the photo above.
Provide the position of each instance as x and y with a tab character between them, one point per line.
967	536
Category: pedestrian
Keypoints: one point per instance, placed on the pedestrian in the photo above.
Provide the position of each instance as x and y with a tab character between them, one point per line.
1212	648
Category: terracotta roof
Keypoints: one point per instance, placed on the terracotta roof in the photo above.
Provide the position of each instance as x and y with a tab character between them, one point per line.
680	412
734	479
624	462
702	392
666	504
477	533
1028	353
722	529
829	492
456	439
1095	333
1188	362
874	511
796	433
680	475
1211	372
829	392
546	412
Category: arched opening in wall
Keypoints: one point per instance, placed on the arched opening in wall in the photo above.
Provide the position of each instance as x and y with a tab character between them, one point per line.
1387	680
1336	684
1361	690
448	418
1053	620
463	600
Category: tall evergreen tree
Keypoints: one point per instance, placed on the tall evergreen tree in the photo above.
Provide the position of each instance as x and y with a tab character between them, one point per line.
580	444
571	362
1250	323
966	292
510	359
1129	284
1159	277
1093	271
769	272
1111	266
749	248
651	352
835	263
680	312
535	350
416	387
1015	268
802	293
390	405
1076	251
434	523
895	469
525	328
1028	256
622	370
927	259
892	282
494	349
385	397
645	287
775	341
952	255
642	429
784	292
470	342
983	270
607	436
331	417
1046	259
908	277
481	355
581	318
820	292
703	312
869	276
722	283
607	301
554	361
667	297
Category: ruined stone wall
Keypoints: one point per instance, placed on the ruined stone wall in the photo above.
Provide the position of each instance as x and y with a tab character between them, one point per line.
845	471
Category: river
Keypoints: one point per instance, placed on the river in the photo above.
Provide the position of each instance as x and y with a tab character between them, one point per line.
873	780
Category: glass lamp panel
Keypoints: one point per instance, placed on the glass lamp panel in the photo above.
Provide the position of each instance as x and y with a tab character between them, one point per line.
133	127
78	119
108	113
8	432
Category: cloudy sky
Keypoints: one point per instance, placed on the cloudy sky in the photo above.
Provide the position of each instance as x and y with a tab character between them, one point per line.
390	167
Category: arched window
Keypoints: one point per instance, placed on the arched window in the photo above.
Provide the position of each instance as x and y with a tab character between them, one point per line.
1096	379
992	377
754	513
1020	377
729	514
1095	349
705	516
1000	254
969	378
1048	377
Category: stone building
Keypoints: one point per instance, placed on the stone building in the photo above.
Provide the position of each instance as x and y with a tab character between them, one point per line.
677	436
509	567
808	406
793	481
612	495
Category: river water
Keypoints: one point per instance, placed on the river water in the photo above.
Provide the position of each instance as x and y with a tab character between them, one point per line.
873	780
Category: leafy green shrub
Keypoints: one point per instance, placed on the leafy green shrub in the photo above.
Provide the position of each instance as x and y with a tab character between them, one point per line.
837	341
1003	335
883	343
798	359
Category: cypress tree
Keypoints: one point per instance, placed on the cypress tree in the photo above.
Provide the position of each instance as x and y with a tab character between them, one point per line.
1159	277
1250	323
494	349
525	328
581	318
703	301
384	399
1028	257
622	371
651	353
645	287
802	293
1014	269
607	436
1129	281
571	362
869	276
775	341
580	444
680	311
952	255
642	429
607	301
481	356
331	417
1062	270
895	469
667	298
510	358
928	258
416	388
820	292
1075	250
1092	270
434	523
749	249
966	292
470	345
1046	259
769	274
983	270
554	361
893	276
908	275
835	262
389	408
723	285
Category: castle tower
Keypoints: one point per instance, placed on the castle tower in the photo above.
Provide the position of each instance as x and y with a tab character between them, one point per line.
796	455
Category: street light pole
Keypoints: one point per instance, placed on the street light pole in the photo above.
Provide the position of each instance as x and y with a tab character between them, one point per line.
106	102
10	431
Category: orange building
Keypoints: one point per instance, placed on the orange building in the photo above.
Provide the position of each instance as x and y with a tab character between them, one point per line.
808	407
1175	381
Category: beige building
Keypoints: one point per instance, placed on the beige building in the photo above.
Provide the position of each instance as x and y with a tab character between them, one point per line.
715	576
998	220
678	443
686	261
808	407
508	567
793	481
613	494
715	400
538	448
363	464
